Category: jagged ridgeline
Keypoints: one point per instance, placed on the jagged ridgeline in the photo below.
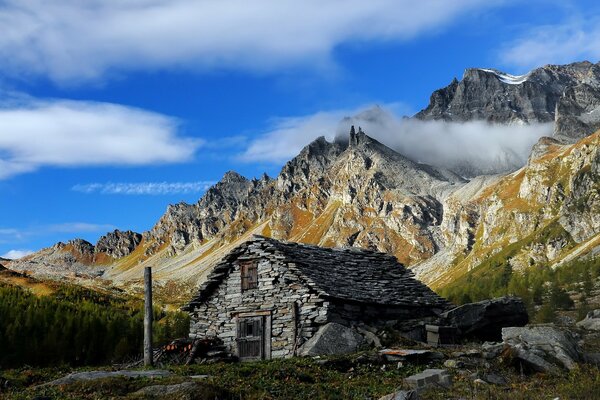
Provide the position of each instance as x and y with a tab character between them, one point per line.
355	191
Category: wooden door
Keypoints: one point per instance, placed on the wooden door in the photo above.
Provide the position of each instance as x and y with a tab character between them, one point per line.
250	338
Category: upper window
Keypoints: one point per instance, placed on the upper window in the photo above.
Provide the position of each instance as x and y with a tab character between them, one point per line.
249	271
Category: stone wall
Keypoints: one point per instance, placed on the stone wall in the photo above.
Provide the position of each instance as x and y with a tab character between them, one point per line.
280	295
377	315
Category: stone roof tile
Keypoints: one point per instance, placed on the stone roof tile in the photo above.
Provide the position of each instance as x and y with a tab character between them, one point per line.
350	274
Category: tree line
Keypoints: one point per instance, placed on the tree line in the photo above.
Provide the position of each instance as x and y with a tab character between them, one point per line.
543	289
76	326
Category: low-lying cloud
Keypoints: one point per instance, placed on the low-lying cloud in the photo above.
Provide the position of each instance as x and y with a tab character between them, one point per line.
469	148
289	135
74	40
64	133
144	188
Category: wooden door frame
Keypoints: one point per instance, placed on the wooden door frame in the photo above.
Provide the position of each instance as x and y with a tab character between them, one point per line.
266	331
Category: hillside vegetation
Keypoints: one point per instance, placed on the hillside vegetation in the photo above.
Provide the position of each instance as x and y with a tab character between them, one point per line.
75	326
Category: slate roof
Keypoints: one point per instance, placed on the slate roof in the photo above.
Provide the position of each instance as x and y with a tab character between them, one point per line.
351	274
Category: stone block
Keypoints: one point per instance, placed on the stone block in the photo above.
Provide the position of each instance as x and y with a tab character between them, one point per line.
441	335
429	378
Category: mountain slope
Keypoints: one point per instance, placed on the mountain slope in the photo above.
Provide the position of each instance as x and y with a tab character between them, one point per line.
358	193
547	213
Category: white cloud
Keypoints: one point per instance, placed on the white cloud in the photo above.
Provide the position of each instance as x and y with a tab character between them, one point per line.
60	133
77	40
469	148
16	254
574	40
289	135
144	188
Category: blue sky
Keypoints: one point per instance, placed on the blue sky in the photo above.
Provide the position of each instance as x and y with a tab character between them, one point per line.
110	110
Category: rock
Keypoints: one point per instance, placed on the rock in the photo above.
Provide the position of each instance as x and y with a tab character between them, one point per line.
94	375
543	348
429	378
118	244
591	321
452	364
479	381
332	338
401	395
592	358
491	350
199	376
495	379
564	320
370	337
484	320
411	356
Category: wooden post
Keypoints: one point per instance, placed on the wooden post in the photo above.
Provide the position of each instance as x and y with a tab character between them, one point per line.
148	357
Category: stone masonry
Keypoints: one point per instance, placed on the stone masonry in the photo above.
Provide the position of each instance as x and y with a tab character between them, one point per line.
301	288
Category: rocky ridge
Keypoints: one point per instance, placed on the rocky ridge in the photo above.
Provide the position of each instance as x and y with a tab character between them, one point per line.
568	95
78	258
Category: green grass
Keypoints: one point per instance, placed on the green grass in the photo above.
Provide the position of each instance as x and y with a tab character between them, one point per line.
307	378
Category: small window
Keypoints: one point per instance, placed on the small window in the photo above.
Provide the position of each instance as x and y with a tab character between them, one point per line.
249	272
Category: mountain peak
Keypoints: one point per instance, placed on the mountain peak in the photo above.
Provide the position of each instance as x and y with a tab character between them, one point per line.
232	176
358	138
495	96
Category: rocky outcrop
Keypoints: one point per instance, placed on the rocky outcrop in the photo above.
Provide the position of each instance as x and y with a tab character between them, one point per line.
577	112
118	244
232	198
591	322
542	348
484	320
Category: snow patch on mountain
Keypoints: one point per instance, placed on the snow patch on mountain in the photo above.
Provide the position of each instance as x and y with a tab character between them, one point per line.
508	78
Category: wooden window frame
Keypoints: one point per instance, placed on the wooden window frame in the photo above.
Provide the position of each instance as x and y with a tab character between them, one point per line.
249	275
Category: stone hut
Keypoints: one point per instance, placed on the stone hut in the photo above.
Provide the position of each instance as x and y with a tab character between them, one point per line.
267	298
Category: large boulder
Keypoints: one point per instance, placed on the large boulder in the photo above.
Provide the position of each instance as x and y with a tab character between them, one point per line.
332	338
484	320
542	348
591	322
